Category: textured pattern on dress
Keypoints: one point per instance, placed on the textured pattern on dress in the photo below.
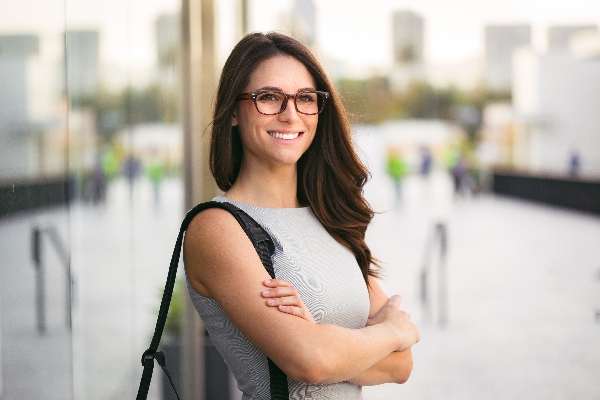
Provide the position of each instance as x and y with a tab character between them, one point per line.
327	278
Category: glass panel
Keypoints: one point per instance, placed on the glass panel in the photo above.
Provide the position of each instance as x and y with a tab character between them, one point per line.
35	298
90	191
125	154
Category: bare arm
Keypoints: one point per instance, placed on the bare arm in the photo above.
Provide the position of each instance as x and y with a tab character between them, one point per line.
395	368
221	263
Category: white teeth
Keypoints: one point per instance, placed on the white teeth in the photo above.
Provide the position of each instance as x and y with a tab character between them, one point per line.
286	136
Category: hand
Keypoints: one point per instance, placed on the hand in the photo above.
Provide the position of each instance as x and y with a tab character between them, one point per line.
283	295
399	320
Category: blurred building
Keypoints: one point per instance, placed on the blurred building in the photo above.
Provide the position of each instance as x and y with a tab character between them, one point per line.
465	74
559	36
409	59
500	43
16	53
25	93
82	60
303	18
554	115
167	32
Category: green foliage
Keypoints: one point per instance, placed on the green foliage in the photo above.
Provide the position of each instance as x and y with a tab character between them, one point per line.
151	104
423	101
130	106
372	101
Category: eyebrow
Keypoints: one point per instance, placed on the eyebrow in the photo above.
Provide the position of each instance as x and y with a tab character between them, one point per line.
281	90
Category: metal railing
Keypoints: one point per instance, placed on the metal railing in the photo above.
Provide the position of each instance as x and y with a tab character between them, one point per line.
37	233
437	240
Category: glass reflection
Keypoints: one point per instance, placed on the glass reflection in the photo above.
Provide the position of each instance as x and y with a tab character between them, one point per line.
35	329
90	160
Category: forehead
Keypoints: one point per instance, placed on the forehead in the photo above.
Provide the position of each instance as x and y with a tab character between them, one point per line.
283	72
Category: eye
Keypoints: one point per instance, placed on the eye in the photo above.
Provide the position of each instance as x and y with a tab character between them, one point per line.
306	98
269	97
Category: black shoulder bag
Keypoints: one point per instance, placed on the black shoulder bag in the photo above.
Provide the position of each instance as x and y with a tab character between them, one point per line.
263	244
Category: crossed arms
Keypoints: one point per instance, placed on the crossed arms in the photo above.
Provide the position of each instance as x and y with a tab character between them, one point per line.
224	265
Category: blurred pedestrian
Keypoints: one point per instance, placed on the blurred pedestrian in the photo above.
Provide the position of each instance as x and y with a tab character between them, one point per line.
397	169
461	176
574	164
96	186
110	163
426	161
132	168
156	172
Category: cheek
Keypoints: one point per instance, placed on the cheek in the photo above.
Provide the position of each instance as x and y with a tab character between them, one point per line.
250	126
313	125
247	118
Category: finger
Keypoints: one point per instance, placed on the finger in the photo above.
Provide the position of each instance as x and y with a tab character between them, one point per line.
279	292
276	283
285	301
395	300
297	311
290	309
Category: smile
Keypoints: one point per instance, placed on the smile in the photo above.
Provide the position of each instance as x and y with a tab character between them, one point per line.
285	136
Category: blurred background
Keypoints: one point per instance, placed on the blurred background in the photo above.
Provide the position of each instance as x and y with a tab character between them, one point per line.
479	122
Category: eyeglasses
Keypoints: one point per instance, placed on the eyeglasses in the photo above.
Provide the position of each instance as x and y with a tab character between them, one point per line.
271	102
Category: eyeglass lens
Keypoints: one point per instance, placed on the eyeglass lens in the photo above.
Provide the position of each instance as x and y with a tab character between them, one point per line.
306	102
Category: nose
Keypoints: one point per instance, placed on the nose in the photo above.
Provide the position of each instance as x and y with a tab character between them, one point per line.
289	110
288	98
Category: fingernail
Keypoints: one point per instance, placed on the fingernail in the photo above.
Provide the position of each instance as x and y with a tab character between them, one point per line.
271	301
282	307
267	281
266	292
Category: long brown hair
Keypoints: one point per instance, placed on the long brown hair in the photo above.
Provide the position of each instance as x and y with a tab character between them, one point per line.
331	177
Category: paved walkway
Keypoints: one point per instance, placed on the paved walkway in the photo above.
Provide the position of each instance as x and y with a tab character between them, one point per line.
523	290
523	293
120	256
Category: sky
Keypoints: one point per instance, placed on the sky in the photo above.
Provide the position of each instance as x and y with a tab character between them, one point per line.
353	32
359	31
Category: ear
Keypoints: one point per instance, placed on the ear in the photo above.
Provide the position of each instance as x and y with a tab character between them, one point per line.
234	120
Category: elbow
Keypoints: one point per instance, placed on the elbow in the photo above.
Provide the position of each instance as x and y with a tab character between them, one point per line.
313	369
403	373
312	377
402	378
312	373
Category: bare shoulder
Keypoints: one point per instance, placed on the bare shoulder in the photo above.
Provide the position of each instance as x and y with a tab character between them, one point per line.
213	227
214	243
210	223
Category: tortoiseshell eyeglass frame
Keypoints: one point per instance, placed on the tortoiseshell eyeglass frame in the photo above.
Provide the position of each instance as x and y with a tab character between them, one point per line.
253	95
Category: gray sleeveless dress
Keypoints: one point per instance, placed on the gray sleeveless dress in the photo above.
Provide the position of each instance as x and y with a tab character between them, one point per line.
329	281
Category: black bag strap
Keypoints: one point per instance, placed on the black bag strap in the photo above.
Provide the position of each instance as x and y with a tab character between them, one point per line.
263	244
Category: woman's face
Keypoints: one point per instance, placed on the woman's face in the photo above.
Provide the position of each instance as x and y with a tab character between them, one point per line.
276	140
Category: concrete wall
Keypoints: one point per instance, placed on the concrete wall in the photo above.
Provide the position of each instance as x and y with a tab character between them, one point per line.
556	98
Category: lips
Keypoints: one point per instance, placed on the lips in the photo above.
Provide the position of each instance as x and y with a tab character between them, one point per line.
285	136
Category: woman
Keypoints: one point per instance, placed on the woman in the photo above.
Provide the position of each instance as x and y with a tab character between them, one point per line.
281	151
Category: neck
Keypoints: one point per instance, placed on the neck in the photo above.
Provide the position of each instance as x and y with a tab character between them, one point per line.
264	187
